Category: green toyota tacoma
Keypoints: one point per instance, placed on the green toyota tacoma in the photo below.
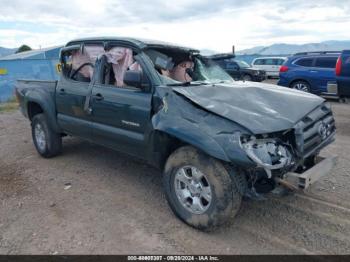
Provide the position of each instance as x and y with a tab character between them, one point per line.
215	139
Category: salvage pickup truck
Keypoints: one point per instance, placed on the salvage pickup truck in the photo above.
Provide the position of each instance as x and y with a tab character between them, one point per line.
215	139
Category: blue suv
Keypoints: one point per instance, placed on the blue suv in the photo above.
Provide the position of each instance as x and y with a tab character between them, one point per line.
310	72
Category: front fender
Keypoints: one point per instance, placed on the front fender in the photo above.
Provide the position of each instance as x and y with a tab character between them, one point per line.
189	133
212	134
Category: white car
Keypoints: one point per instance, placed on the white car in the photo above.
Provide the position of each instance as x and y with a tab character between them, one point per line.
271	65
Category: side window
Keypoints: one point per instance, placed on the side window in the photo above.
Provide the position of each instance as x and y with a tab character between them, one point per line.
275	61
79	66
270	61
119	60
326	62
307	62
259	62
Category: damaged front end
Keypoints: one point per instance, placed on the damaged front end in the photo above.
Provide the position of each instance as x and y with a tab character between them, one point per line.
268	153
291	158
261	143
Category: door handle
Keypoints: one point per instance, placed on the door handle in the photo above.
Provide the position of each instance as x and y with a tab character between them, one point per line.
98	97
62	91
313	71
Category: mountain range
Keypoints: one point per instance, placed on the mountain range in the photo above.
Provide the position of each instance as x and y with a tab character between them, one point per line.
288	49
6	51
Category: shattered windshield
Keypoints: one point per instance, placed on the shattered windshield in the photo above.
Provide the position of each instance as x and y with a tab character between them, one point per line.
181	67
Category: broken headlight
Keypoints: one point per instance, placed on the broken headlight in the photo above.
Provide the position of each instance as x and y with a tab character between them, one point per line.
267	153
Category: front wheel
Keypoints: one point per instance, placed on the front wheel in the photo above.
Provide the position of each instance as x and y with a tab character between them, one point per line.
47	142
247	78
199	189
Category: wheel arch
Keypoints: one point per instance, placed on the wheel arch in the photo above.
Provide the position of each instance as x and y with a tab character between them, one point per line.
165	142
36	106
33	108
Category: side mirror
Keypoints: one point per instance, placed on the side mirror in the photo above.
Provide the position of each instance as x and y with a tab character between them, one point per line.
133	78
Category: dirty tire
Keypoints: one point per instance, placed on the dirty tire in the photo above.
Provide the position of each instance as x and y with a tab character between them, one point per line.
52	144
225	201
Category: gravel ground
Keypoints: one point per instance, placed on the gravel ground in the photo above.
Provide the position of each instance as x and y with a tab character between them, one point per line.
91	200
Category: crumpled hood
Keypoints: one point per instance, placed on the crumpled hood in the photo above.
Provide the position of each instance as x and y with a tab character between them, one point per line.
261	108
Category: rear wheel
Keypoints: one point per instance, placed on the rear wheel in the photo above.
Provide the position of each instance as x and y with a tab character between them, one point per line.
301	85
345	100
47	142
199	189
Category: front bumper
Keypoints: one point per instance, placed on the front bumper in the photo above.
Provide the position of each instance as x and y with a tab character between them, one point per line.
304	180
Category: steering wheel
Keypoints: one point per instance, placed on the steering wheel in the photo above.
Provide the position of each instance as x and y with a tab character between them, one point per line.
79	68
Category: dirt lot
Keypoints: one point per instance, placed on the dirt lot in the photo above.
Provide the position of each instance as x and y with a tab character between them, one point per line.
95	201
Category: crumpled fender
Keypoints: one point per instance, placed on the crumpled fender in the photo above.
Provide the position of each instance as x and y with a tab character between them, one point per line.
212	134
187	132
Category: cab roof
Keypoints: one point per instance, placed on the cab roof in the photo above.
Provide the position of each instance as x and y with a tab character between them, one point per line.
136	42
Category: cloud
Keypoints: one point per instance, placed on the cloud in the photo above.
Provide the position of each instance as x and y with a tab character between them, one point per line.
200	23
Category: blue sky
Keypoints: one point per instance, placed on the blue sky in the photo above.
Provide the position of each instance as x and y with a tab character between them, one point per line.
203	24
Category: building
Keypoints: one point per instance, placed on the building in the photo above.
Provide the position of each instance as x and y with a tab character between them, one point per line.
36	64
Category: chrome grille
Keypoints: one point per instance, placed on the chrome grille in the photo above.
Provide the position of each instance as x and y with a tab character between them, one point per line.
314	129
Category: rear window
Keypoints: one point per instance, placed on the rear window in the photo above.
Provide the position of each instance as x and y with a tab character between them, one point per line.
279	61
326	62
307	62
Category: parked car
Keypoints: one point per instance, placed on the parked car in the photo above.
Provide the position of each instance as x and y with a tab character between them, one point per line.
342	72
215	139
271	65
238	69
310	72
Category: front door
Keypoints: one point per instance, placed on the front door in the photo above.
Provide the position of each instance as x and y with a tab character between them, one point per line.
120	114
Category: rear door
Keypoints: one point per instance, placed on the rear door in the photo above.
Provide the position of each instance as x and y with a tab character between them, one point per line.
120	114
272	67
304	70
70	98
72	90
324	71
259	63
266	64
